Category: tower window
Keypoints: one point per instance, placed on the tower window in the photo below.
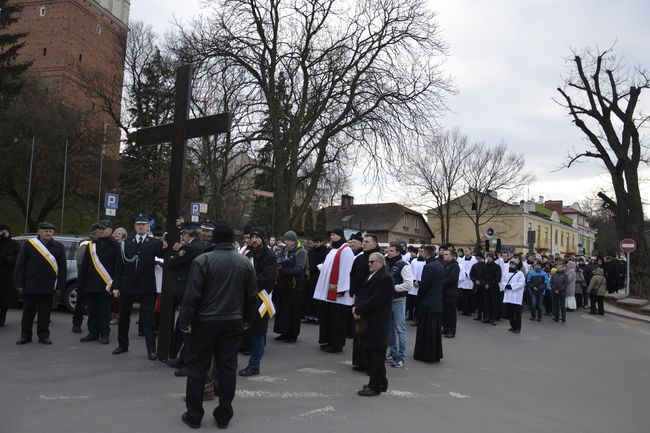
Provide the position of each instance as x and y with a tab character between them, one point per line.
44	52
80	57
42	11
99	29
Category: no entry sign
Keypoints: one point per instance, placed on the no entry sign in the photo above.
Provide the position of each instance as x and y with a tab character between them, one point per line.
628	246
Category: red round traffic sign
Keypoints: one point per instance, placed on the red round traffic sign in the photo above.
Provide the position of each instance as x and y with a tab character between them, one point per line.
628	245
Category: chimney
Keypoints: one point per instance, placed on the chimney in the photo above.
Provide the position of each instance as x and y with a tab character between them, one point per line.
346	201
492	193
540	201
556	205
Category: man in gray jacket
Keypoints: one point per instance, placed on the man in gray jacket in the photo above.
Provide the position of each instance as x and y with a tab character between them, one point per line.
220	297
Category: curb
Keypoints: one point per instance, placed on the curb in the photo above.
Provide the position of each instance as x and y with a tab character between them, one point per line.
627	316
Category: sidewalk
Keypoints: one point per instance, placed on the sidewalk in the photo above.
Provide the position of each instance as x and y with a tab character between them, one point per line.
610	308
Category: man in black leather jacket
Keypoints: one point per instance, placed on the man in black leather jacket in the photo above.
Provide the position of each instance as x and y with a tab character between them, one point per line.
220	296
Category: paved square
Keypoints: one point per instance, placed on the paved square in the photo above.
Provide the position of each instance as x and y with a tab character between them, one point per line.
591	375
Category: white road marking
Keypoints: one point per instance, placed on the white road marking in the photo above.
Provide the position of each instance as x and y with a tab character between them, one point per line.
459	395
315	371
265	395
267	379
346	362
61	397
326	411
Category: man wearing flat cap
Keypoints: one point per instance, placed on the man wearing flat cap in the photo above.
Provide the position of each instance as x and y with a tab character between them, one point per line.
136	279
40	270
95	279
9	250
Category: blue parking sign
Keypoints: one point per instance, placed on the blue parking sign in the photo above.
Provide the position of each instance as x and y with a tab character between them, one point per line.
111	201
195	209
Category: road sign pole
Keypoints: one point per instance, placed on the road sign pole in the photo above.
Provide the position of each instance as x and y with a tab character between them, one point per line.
627	279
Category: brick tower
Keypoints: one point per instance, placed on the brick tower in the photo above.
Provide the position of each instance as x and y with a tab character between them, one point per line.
78	46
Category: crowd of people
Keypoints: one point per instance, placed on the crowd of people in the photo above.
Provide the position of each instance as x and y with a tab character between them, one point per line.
226	292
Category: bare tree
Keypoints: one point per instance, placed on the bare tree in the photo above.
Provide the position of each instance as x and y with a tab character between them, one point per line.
330	78
436	172
492	180
602	97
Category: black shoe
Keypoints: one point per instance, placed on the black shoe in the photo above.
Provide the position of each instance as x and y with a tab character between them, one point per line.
222	417
174	363
493	323
324	346
152	356
45	341
485	321
188	422
76	329
539	319
532	318
119	350
384	389
282	337
511	329
517	331
450	335
414	324
249	371
479	318
359	368
104	340
555	319
88	338
333	349
181	372
368	392
23	340
290	340
245	352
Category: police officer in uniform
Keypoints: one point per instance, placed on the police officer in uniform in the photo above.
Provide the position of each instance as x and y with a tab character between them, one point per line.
136	279
40	270
190	247
207	231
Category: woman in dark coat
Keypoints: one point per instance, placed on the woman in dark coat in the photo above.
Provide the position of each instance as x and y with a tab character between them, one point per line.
9	250
428	341
372	312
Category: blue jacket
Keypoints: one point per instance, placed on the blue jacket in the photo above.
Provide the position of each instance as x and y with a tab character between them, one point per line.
535	278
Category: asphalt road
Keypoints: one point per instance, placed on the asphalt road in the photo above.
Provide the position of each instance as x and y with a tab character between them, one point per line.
590	375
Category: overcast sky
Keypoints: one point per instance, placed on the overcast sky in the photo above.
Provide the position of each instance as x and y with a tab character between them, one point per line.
507	57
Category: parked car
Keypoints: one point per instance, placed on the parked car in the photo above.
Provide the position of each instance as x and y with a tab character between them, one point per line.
65	297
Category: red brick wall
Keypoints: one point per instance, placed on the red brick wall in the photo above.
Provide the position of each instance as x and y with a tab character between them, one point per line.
70	54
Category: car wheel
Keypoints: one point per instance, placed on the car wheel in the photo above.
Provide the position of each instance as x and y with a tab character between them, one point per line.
70	298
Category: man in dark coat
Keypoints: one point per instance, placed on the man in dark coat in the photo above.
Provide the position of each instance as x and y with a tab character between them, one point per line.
220	297
9	250
136	279
95	280
450	293
372	310
264	262
358	276
492	291
315	256
41	267
184	253
477	275
291	276
428	341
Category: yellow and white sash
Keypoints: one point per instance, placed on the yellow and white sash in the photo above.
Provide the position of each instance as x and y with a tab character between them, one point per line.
267	304
99	267
47	255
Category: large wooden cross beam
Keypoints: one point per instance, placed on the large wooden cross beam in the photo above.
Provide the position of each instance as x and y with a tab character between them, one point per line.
177	133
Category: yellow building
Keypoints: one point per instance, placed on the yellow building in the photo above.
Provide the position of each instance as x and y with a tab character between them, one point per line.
549	231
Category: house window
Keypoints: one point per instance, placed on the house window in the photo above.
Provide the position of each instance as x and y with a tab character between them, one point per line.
42	11
406	220
417	223
539	234
473	206
561	239
555	237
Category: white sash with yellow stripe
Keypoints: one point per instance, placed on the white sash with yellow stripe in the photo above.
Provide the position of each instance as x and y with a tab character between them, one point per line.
47	255
267	306
99	267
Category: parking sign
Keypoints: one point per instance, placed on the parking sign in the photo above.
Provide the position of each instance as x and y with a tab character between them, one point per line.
111	201
195	209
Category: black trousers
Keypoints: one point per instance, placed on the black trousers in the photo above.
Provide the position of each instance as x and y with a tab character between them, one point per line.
309	304
513	312
600	301
289	306
99	313
449	302
147	320
79	309
219	339
479	296
333	324
377	370
181	340
411	302
491	305
467	297
33	304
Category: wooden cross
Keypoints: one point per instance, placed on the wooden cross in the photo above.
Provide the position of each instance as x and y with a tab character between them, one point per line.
177	133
